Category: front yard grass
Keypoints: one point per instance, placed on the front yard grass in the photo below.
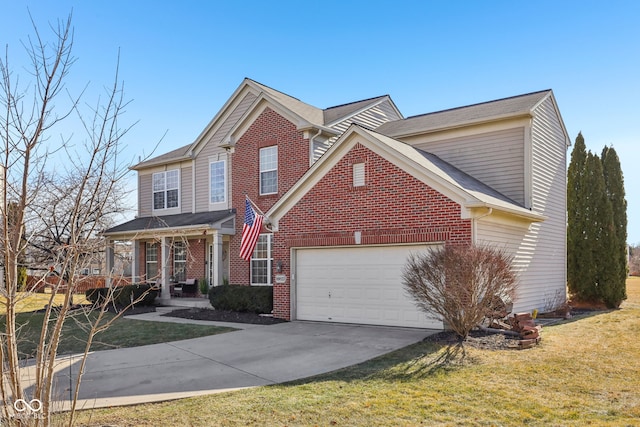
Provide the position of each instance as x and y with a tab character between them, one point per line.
123	333
36	301
586	371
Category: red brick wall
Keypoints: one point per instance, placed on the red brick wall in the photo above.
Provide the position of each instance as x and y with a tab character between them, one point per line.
393	207
196	259
267	130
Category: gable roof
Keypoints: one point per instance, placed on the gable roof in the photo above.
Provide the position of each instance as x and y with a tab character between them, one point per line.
305	115
429	168
308	112
514	106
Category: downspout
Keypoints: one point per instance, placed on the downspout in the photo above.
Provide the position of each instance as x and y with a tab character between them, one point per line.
311	146
475	225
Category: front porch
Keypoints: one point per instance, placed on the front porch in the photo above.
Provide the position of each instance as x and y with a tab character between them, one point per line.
178	253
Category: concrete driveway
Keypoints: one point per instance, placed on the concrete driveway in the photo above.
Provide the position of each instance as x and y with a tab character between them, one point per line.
259	355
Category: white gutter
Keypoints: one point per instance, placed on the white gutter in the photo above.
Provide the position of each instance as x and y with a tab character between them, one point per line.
474	237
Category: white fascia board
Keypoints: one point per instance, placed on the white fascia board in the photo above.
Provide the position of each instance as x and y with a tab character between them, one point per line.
557	111
465	124
257	107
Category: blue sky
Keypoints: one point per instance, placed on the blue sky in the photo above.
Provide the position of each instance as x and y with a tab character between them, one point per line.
180	61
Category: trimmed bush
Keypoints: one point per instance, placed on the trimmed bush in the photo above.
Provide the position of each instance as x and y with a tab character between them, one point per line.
462	285
123	295
254	299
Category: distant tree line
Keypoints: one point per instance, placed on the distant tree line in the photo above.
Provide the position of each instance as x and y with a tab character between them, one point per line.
597	226
634	260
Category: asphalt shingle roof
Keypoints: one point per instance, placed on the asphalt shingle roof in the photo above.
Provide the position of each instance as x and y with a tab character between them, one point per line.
513	106
333	114
171	221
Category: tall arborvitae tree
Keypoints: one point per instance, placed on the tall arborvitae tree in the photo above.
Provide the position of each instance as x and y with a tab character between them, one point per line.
580	265
601	236
614	184
596	229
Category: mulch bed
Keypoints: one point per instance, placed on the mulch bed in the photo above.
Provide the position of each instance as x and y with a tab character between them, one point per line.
223	316
476	339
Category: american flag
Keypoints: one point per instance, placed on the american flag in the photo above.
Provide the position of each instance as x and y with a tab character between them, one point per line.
250	231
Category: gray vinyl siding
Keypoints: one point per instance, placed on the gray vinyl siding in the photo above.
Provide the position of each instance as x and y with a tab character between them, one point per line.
540	249
186	196
369	118
549	186
144	195
212	150
495	158
319	148
516	241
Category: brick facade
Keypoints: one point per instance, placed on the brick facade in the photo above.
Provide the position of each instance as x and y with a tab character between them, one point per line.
196	259
393	207
267	130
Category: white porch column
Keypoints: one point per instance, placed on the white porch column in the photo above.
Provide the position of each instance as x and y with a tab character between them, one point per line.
109	251
217	278
165	251
135	257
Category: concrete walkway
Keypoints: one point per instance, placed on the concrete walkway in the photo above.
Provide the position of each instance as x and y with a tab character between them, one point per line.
250	357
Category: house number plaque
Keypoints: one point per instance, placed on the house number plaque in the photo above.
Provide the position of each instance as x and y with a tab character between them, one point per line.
281	278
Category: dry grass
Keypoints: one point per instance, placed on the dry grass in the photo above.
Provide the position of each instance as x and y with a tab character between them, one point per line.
585	372
36	301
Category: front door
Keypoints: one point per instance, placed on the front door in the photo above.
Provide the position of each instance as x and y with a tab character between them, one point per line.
225	263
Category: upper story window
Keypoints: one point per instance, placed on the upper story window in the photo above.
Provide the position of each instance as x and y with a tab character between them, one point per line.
217	177
165	189
269	170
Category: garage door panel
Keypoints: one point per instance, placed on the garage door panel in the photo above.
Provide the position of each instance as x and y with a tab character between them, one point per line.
357	285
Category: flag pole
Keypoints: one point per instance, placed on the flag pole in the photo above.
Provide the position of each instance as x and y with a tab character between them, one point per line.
254	205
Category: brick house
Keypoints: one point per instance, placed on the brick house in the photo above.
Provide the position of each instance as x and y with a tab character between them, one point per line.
348	192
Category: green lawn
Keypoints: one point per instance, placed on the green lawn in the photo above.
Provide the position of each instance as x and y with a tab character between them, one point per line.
585	372
123	333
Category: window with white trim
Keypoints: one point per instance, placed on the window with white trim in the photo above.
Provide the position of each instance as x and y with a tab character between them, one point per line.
152	261
358	175
179	261
261	261
217	182
166	189
269	170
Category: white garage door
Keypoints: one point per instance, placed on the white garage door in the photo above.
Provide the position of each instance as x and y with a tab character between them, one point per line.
357	285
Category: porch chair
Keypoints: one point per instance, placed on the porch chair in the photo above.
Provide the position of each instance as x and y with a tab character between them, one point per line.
190	287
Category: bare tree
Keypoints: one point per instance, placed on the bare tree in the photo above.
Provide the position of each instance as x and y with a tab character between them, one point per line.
634	260
59	192
55	218
460	284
